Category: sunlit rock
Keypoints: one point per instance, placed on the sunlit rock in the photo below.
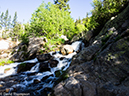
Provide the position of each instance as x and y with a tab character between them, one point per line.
66	49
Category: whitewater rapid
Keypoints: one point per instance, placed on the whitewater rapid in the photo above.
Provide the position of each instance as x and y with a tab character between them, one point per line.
28	81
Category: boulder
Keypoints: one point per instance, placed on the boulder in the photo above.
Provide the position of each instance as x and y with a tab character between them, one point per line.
36	81
43	67
86	54
18	56
44	78
64	37
44	57
87	36
19	53
53	63
6	47
34	45
74	87
24	67
1	85
66	49
7	90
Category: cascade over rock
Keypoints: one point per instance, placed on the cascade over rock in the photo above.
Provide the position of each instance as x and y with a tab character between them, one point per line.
102	68
37	76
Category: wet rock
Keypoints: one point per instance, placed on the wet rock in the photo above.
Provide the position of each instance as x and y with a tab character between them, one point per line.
86	54
44	78
53	63
47	89
1	85
24	67
7	90
43	67
14	89
66	49
62	58
58	73
7	69
44	57
30	74
36	81
53	53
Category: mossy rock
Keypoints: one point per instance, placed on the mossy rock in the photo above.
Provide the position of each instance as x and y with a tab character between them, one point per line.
62	75
115	23
25	67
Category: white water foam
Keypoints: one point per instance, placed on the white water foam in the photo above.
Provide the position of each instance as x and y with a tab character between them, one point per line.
28	80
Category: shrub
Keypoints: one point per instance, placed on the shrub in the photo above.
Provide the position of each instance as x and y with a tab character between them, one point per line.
5	61
51	22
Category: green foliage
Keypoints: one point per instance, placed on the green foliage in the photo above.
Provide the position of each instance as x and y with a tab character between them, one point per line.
102	11
51	45
5	61
14	19
62	75
19	32
118	38
6	24
5	20
50	21
24	38
1	19
62	4
22	65
80	28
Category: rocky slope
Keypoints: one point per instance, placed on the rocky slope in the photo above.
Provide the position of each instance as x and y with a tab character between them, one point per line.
102	68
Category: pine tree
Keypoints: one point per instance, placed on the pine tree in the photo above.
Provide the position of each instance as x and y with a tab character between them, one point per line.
5	19
1	19
62	4
14	20
9	22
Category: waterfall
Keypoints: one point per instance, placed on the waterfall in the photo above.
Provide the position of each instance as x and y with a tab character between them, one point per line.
33	80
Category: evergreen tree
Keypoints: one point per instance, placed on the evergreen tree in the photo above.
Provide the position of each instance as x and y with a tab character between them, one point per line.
62	4
5	19
14	20
1	19
9	22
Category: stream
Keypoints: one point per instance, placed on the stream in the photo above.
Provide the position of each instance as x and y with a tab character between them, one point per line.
34	82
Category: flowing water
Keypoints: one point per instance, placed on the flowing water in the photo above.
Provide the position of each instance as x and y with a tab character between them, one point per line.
33	82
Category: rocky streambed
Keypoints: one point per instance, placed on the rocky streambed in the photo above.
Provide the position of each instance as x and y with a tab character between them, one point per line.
36	77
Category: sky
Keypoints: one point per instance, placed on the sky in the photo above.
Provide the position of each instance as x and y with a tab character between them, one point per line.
25	8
